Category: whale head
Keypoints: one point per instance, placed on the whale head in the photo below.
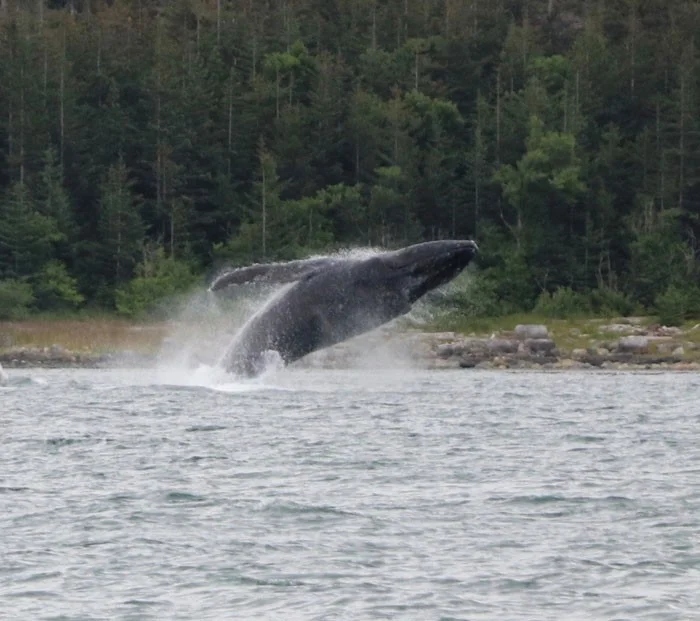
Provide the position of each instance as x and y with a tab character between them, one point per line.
425	266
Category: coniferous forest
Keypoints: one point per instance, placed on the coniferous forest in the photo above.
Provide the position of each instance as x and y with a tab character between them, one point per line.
144	143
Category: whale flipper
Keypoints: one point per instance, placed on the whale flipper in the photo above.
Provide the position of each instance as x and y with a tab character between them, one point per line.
271	272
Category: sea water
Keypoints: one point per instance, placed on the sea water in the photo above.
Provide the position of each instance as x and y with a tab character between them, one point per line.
364	494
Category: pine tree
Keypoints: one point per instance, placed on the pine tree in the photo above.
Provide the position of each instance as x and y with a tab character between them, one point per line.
120	225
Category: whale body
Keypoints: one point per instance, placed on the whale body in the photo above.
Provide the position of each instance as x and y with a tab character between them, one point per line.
329	300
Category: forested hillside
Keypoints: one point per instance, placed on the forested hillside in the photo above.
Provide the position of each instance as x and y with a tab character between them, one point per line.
143	142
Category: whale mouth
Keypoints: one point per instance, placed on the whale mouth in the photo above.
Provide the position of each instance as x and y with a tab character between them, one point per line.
432	264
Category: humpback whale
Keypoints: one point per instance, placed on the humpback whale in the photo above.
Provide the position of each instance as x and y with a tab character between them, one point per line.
328	300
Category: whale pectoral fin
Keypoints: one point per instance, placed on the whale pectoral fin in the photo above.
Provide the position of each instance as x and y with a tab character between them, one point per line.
271	272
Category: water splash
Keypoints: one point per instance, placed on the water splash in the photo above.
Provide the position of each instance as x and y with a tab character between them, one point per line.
203	329
12	381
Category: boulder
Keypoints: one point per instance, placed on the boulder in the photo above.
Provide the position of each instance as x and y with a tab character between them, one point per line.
470	361
502	346
478	346
539	346
633	344
665	348
474	344
445	350
531	331
58	352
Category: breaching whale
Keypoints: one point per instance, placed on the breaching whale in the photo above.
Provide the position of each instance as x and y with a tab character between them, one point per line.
333	299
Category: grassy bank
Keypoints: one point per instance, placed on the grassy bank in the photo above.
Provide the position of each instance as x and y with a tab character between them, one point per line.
92	335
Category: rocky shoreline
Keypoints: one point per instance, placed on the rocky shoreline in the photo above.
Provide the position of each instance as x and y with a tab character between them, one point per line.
57	357
529	346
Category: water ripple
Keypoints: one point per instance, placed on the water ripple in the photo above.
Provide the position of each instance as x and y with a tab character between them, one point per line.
350	495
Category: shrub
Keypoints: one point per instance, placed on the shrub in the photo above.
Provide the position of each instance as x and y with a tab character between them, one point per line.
160	278
56	289
672	306
513	286
477	298
563	303
693	301
610	303
15	299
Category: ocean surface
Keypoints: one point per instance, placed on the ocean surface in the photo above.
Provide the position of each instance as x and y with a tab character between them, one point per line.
363	494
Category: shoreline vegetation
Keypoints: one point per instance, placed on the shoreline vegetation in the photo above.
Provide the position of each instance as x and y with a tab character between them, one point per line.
511	342
78	342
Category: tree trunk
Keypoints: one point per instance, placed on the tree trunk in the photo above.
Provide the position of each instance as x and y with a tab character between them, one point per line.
230	119
218	22
264	207
498	116
374	26
21	125
277	93
681	142
62	105
632	49
416	69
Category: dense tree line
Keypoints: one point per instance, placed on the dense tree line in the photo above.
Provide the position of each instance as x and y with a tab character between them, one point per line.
143	141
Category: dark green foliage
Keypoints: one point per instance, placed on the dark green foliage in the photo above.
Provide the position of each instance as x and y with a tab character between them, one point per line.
562	303
564	137
610	303
159	279
55	289
672	306
15	299
27	237
475	298
657	260
119	225
52	201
